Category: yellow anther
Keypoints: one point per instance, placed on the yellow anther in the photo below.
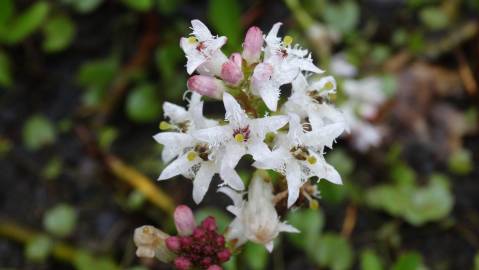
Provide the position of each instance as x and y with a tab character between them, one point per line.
312	160
165	125
313	204
191	155
332	98
329	85
239	137
287	40
192	40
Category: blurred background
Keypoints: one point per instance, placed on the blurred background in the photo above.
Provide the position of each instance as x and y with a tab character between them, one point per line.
81	89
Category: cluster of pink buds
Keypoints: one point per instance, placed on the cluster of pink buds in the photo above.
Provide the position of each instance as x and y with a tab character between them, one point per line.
194	246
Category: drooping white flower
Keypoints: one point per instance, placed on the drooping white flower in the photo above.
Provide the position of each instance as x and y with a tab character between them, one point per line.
296	156
202	50
256	219
281	64
239	137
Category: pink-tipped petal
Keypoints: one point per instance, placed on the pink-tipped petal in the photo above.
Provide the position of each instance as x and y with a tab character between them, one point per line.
252	45
184	220
206	86
231	73
236	57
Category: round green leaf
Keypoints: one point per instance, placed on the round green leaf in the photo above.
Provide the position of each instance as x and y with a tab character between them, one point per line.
28	22
38	248
59	32
38	131
140	5
143	104
60	220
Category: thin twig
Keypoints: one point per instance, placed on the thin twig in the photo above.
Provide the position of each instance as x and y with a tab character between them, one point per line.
349	220
466	74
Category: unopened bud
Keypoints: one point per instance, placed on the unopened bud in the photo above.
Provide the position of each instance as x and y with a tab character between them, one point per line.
182	263
184	220
206	86
252	45
215	267
150	242
173	243
231	72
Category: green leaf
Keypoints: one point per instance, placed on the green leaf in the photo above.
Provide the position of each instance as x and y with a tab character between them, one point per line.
342	17
434	18
143	104
408	261
5	72
97	73
370	260
53	169
107	136
224	16
27	22
256	256
222	220
60	220
85	261
135	200
59	32
167	7
310	223
6	10
83	6
476	261
333	251
38	248
139	5
37	132
460	162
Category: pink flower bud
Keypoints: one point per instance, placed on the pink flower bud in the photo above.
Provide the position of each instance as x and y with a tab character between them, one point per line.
224	255
209	224
236	57
206	86
182	263
184	219
252	45
262	73
214	267
173	243
231	71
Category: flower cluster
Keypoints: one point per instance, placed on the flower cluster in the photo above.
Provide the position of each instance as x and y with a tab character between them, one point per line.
288	135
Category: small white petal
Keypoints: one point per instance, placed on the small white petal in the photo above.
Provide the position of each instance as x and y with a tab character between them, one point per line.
234	112
200	31
174	112
202	181
231	178
179	166
270	96
213	135
284	227
293	176
269	246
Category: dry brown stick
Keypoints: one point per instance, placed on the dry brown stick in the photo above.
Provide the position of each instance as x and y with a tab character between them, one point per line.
466	74
349	220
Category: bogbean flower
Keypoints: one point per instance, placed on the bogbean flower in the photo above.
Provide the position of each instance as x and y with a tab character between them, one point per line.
239	137
295	157
203	50
256	219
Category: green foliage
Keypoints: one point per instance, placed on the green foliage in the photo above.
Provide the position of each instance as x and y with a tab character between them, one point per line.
6	11
224	16
60	220
370	260
222	220
460	162
136	200
59	32
167	7
52	169
37	132
139	5
434	18
417	205
83	6
310	222
107	135
5	72
38	248
408	261
23	25
343	16
256	256
333	251
85	261
476	261
143	104
95	76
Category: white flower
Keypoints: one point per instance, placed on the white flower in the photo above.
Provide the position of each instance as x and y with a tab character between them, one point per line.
256	219
296	158
202	50
239	137
340	66
184	121
282	63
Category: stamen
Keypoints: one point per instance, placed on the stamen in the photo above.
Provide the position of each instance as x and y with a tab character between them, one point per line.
191	155
287	40
165	125
239	137
329	86
312	160
192	40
